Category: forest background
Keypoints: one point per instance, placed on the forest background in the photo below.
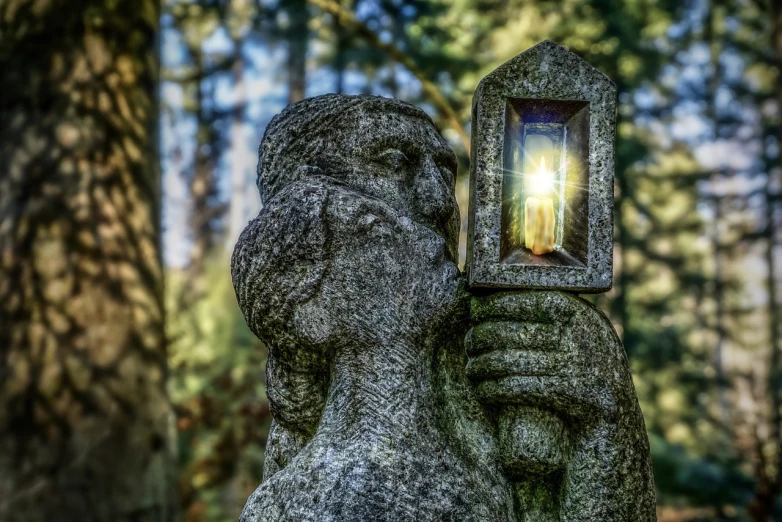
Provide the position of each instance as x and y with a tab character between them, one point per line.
131	387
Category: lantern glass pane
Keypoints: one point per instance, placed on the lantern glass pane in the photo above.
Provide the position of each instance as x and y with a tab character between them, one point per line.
538	153
545	183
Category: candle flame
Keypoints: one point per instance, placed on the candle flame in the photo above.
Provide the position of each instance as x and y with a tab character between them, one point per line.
543	180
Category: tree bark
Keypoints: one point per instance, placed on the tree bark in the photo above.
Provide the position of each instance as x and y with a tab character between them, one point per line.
85	424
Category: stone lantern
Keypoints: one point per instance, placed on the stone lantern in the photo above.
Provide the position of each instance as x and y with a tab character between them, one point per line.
542	175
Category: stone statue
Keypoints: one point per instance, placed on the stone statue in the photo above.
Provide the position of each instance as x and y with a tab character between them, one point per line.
389	383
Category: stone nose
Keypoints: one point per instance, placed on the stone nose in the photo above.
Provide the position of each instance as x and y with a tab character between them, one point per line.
432	198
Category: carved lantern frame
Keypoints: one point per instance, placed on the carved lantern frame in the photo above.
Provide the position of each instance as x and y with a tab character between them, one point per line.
550	92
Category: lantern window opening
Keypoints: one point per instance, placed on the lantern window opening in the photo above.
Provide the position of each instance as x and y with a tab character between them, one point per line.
545	158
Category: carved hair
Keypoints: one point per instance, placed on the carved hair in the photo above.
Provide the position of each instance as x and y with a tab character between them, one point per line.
296	140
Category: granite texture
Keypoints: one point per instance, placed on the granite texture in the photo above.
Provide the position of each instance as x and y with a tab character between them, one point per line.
396	394
547	79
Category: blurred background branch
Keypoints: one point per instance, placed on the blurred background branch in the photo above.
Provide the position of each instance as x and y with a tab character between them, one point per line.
346	19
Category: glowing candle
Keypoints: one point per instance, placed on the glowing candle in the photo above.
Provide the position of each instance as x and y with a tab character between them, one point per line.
539	212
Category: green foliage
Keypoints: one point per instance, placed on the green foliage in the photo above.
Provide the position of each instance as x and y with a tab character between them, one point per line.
684	479
217	387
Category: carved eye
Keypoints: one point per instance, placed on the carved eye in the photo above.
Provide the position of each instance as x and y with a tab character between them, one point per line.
395	158
447	173
447	166
374	226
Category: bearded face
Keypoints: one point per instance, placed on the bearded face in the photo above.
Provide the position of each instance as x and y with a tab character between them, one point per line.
389	276
394	226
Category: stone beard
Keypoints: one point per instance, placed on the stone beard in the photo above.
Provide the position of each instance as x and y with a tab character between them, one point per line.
380	410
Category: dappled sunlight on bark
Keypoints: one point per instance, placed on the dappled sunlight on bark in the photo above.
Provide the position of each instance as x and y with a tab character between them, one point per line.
85	426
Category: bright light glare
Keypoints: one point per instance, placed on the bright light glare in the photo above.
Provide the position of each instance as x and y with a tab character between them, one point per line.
542	182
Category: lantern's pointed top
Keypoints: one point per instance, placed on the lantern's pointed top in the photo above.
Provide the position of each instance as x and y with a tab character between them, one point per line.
548	66
547	43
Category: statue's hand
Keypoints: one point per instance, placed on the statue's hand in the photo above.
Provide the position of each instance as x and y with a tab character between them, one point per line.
555	370
547	349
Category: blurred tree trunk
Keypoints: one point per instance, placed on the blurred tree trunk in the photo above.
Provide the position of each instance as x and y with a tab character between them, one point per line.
769	487
344	35
719	304
398	33
241	160
771	198
85	424
621	302
297	38
714	36
204	211
340	49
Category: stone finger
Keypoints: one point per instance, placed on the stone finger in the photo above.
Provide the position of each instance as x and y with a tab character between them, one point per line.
509	335
528	306
569	395
506	363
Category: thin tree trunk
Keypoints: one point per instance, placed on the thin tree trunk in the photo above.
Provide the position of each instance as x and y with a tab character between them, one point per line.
298	38
773	303
762	506
340	48
85	424
620	304
344	35
241	159
203	207
712	39
719	301
398	31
